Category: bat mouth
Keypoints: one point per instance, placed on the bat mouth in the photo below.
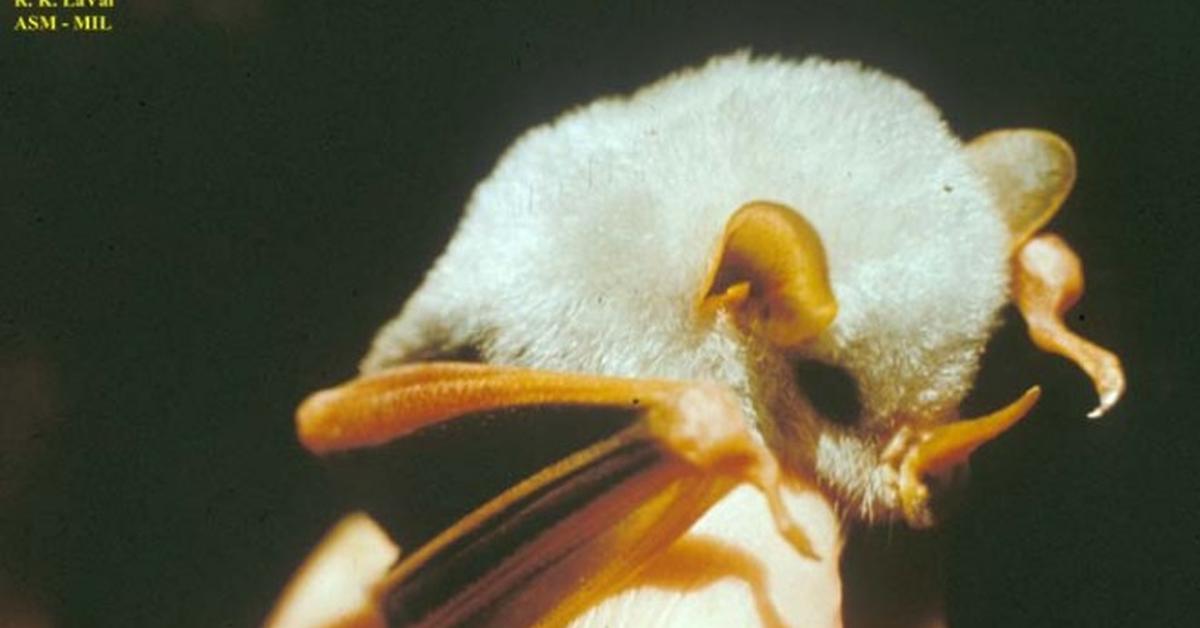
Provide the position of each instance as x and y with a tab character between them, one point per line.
928	466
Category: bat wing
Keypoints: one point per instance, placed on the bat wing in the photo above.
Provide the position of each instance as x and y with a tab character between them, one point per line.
576	531
554	542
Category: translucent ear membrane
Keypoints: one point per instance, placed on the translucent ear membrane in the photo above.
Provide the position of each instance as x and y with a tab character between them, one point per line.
1029	173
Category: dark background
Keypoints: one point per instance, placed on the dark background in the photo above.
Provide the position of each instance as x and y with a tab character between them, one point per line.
206	213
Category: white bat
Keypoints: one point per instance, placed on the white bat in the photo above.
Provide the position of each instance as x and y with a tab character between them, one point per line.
779	271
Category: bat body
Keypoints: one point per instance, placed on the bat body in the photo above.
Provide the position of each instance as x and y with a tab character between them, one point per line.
808	238
585	249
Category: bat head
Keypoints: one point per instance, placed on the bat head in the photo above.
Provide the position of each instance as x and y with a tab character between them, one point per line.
857	373
809	234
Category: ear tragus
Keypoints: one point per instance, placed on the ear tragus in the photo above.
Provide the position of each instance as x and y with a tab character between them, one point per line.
770	271
1029	172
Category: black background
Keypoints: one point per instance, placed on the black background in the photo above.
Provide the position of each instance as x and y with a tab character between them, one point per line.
206	213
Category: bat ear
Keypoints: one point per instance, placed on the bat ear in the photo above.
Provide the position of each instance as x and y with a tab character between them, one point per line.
1029	172
770	273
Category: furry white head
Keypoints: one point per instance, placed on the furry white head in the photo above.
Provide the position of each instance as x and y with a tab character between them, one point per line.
585	248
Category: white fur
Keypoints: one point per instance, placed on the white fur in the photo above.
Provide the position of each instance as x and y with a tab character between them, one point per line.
585	249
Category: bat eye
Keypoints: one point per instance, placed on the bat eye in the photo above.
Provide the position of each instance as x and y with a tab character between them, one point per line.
832	391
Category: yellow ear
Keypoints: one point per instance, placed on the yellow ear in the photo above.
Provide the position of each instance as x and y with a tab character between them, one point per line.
1029	172
770	272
